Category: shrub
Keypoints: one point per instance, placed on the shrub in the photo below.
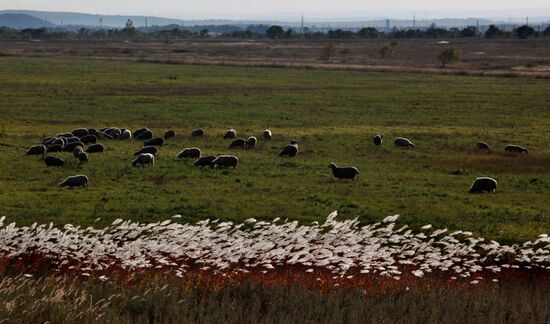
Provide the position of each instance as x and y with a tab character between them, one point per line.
327	52
387	51
449	55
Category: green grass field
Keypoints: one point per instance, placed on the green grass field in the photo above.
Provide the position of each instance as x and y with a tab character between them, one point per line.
332	114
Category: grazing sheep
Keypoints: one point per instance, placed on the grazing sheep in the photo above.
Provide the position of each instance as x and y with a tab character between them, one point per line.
204	161
251	142
144	159
66	135
147	149
190	153
96	148
484	184
47	140
73	139
71	146
403	142
37	150
80	132
378	139
482	146
157	141
126	134
89	139
169	134
93	131
139	131
197	132
230	134
83	157
55	141
291	150
53	161
267	136
239	142
75	181
225	161
340	173
77	150
102	130
515	149
54	148
113	132
145	135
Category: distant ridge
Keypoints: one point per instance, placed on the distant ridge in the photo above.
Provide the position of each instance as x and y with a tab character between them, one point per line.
21	21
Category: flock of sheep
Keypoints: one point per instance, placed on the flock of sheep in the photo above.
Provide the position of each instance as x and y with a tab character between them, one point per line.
74	142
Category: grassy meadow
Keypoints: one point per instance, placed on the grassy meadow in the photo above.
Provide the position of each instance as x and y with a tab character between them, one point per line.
333	115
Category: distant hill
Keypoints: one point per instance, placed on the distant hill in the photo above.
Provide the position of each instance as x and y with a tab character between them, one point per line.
22	21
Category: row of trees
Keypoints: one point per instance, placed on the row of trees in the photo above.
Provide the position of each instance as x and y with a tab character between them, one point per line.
261	31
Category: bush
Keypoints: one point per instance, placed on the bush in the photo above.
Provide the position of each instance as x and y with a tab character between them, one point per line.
387	51
327	52
524	31
275	32
449	55
494	32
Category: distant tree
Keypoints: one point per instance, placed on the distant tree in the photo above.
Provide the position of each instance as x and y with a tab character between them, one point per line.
275	32
547	31
340	34
494	32
524	31
289	33
204	33
129	28
368	32
470	31
449	55
328	51
82	33
387	51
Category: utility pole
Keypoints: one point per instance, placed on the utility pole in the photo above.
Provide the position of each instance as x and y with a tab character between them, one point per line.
100	22
302	25
414	19
145	22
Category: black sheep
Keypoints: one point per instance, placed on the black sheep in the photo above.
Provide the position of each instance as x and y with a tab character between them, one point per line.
145	135
515	149
340	173
83	157
484	184
77	150
169	134
190	153
53	161
378	139
239	142
95	148
197	132
71	146
204	161
80	132
482	146
37	150
147	149
89	139
251	142
291	150
139	131
230	134
157	141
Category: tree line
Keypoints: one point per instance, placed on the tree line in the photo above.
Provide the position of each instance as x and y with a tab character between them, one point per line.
264	31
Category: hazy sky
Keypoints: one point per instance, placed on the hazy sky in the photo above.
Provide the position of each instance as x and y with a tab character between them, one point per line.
250	8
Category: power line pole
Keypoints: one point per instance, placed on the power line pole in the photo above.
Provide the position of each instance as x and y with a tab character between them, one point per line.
302	25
